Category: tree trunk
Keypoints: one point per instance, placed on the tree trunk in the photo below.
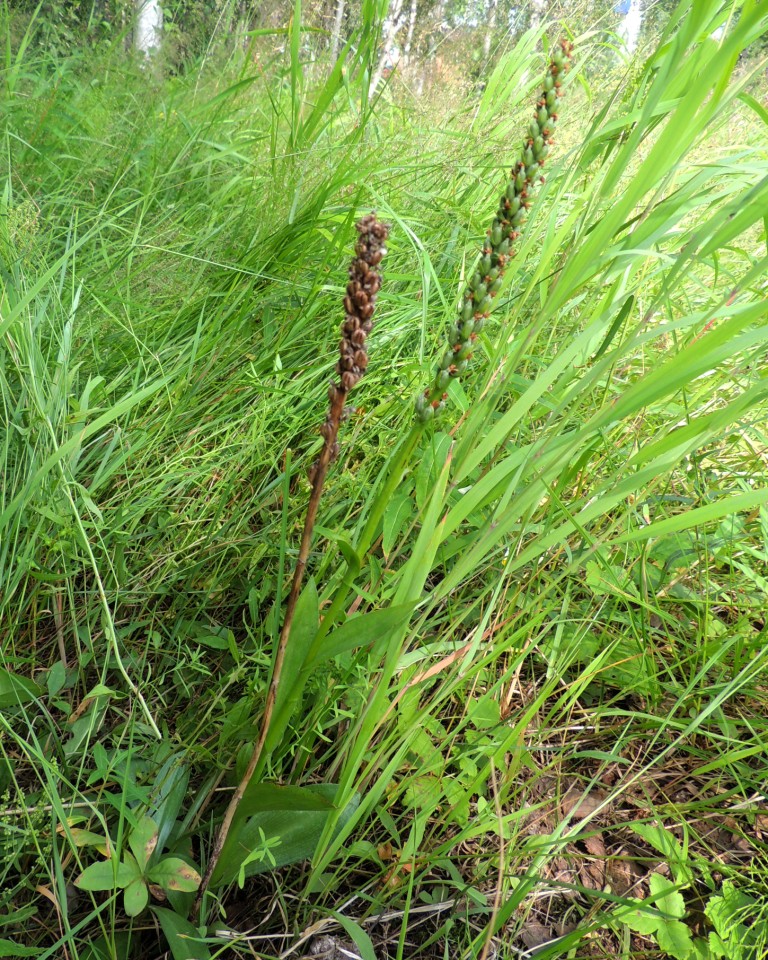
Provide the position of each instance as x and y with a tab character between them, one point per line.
389	56
538	9
490	26
149	26
338	17
411	28
630	26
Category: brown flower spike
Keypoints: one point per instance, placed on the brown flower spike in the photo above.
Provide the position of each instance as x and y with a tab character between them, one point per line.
359	302
364	284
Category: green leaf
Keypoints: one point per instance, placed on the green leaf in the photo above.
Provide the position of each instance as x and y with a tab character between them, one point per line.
292	679
57	677
172	873
360	631
143	840
260	797
136	897
485	712
398	512
303	630
675	938
16	690
644	921
667	844
432	462
10	949
185	941
666	898
297	830
360	937
115	947
103	876
345	547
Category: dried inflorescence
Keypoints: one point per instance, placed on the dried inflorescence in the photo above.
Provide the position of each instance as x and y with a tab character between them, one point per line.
359	302
486	280
364	284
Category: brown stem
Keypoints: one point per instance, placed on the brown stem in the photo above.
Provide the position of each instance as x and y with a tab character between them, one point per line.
359	302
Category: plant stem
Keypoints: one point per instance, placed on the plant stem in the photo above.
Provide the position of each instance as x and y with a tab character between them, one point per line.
364	284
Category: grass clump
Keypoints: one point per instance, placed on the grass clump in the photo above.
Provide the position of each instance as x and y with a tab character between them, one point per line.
523	694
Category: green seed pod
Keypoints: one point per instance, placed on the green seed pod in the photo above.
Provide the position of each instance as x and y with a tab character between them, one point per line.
420	405
467	310
480	292
551	99
465	351
538	143
520	181
485	263
467	330
442	380
542	116
528	157
544	151
531	172
462	367
485	305
475	281
519	217
447	360
503	247
509	193
426	414
495	286
549	83
514	206
479	323
493	273
533	129
496	234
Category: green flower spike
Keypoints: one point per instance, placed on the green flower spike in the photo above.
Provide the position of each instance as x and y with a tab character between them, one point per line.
485	282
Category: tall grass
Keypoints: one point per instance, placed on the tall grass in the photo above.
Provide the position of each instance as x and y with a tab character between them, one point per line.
557	589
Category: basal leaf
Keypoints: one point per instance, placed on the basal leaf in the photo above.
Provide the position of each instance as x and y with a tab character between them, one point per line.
297	830
136	897
103	876
185	941
172	873
15	690
143	840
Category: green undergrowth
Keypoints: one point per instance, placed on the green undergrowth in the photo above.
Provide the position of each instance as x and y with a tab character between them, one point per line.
533	716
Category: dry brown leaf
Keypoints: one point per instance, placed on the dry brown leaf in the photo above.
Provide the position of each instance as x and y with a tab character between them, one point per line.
535	934
581	805
622	877
595	845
